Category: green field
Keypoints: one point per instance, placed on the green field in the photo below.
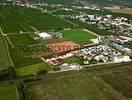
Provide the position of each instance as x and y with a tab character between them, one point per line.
99	2
16	19
120	81
22	39
27	63
77	35
85	85
52	1
4	57
8	92
93	28
64	12
23	58
48	8
21	53
33	69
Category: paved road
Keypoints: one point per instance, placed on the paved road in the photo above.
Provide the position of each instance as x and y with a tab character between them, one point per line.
92	32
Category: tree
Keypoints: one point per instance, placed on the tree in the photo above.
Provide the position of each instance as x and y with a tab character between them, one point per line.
8	74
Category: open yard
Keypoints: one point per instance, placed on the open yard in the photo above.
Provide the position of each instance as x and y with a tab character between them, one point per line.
8	92
16	19
78	36
74	59
86	85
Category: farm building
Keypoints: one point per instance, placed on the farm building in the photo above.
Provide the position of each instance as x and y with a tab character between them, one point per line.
57	59
62	50
44	35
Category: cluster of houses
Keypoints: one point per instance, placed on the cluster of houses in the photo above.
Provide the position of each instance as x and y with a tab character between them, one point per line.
119	43
90	7
90	55
118	39
39	6
122	48
101	54
116	25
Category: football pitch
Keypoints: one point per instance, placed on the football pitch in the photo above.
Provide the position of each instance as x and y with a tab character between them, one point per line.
78	36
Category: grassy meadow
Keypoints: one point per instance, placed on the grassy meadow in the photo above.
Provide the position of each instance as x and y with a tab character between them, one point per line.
8	92
33	69
92	84
4	57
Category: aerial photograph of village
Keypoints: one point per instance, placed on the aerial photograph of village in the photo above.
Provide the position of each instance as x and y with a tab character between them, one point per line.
65	49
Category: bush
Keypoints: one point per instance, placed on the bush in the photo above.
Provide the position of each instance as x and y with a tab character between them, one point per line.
8	74
42	72
56	68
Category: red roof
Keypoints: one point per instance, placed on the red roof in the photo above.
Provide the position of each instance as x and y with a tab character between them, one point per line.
63	53
48	57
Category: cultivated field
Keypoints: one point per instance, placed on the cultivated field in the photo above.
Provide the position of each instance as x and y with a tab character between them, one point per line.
112	83
28	63
22	39
64	12
33	69
8	92
124	10
121	81
16	19
49	8
26	53
78	36
4	57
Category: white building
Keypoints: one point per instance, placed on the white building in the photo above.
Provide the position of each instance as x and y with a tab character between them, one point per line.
44	35
121	58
